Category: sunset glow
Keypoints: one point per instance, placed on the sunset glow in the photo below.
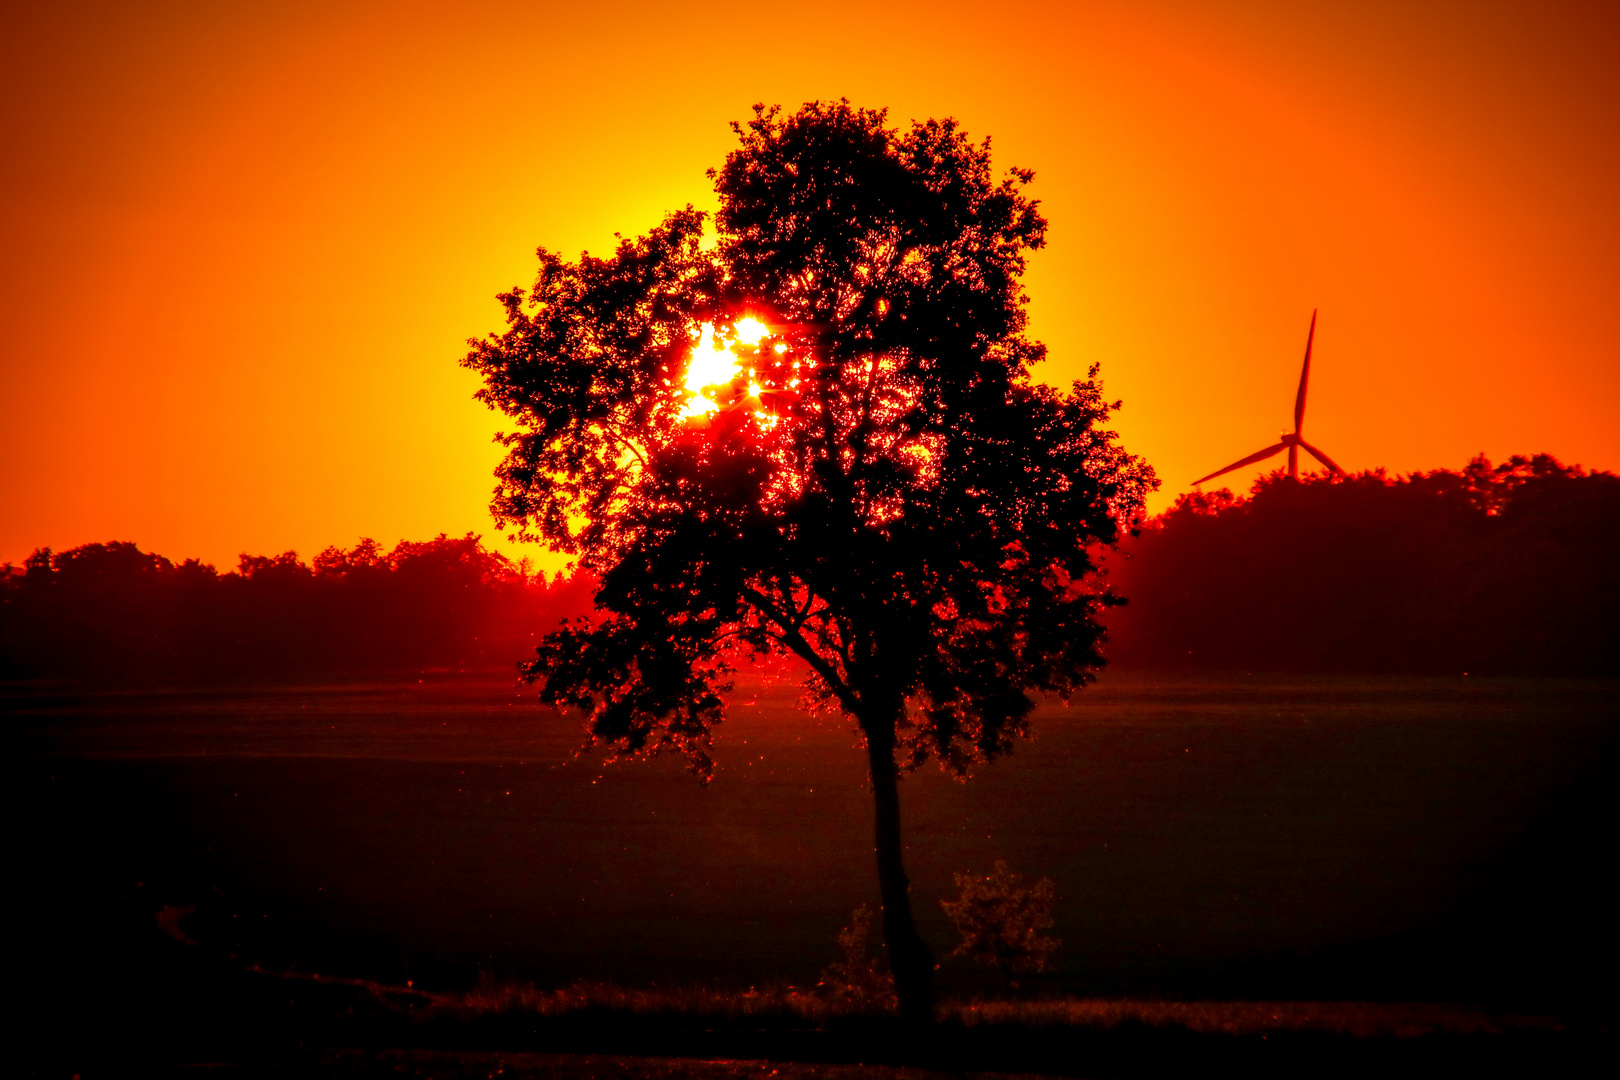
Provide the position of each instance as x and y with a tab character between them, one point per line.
244	246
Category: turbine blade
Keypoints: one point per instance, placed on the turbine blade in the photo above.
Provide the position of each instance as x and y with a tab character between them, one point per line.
1250	460
1323	458
1304	377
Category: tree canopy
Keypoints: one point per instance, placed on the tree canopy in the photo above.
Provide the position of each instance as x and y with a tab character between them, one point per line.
819	436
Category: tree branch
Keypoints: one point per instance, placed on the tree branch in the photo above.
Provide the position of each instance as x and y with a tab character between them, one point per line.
795	641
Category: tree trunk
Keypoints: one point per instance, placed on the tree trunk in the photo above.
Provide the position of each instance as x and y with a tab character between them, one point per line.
909	958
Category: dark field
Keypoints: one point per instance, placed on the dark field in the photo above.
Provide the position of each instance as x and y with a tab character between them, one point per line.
1396	840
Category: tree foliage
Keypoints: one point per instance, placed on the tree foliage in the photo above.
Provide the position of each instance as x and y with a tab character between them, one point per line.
898	502
882	490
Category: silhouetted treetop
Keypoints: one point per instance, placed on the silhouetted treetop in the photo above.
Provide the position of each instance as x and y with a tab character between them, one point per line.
115	561
902	242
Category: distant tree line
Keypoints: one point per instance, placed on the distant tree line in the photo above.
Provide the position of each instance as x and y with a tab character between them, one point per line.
113	611
1491	570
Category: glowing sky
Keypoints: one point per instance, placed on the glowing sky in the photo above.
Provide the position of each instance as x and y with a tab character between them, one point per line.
244	243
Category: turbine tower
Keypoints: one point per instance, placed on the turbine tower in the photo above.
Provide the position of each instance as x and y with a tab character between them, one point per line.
1292	442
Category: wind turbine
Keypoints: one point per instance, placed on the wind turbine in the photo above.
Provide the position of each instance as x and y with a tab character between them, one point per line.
1293	442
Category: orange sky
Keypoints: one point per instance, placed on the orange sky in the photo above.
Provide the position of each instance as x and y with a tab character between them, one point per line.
243	249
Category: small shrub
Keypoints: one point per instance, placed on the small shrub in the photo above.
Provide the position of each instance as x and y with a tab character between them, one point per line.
860	981
1001	919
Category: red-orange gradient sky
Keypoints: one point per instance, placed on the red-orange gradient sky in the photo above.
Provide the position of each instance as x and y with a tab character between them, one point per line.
244	243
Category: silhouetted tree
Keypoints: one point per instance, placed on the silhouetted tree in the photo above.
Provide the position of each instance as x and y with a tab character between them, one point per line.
881	490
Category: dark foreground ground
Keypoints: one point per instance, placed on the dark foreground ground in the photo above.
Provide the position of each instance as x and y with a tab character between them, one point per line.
1406	844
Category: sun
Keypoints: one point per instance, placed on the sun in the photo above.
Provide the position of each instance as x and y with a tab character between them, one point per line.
715	364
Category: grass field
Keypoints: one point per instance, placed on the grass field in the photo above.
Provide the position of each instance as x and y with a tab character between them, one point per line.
1444	840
